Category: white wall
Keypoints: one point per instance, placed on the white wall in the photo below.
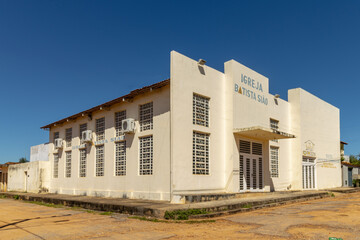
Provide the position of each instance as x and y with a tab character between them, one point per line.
39	152
29	177
188	78
319	122
253	106
133	185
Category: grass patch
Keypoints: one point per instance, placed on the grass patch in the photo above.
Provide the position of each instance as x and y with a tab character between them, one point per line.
248	205
106	213
331	194
2	196
47	204
183	214
170	221
16	197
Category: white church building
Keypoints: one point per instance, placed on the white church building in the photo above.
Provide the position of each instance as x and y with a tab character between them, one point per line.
201	131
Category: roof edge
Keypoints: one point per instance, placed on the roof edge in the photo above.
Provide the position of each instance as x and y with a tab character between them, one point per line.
128	96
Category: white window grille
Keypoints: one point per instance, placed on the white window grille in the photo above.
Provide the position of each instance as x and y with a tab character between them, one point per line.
274	125
83	128
200	153
68	165
120	158
100	129
56	166
119	116
146	156
68	136
146	116
274	162
308	173
56	135
82	163
100	161
200	110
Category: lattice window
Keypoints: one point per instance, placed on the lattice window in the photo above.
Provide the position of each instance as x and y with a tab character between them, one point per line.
83	128
56	135
100	161
200	153
274	125
68	165
82	168
200	110
274	162
68	137
245	147
146	156
146	116
119	116
56	166
120	158
256	148
100	129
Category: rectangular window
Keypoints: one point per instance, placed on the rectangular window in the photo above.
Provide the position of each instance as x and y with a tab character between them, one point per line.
119	116
146	116
56	166
274	162
146	156
274	125
200	110
200	153
56	135
100	161
100	129
68	165
83	128
68	137
120	158
82	163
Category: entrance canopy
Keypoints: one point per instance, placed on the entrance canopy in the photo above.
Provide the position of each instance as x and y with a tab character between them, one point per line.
262	133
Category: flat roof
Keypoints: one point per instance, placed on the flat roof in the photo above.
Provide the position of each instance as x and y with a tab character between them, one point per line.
126	97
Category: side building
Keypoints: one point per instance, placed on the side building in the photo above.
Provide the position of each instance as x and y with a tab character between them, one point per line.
201	131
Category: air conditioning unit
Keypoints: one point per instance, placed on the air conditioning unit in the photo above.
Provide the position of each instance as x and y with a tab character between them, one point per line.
58	143
86	136
128	125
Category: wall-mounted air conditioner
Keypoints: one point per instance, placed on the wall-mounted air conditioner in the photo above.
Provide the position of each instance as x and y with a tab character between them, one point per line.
58	143
86	136
128	125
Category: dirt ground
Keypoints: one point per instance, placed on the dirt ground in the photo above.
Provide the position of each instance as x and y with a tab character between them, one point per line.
337	216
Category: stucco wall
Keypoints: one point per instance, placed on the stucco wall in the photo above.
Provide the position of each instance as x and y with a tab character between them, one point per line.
187	78
253	106
133	185
39	152
29	177
319	122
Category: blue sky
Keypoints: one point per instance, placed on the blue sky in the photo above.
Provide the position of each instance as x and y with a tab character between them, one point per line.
58	58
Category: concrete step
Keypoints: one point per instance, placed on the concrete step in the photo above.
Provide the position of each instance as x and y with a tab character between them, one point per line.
254	205
207	197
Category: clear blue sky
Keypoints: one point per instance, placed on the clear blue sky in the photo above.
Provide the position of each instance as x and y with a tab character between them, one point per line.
58	58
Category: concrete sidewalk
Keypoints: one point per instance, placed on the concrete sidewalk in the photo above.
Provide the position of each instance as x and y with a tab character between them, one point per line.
158	208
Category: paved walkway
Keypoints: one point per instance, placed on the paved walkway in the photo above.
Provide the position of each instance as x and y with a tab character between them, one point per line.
158	208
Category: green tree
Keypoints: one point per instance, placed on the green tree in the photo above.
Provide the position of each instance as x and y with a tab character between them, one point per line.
23	160
354	160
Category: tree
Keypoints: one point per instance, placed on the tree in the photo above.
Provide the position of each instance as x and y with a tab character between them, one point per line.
23	160
354	160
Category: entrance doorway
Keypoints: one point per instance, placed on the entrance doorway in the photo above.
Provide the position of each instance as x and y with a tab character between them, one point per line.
251	166
308	173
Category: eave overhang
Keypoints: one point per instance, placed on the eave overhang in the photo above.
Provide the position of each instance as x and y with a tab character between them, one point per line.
262	133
